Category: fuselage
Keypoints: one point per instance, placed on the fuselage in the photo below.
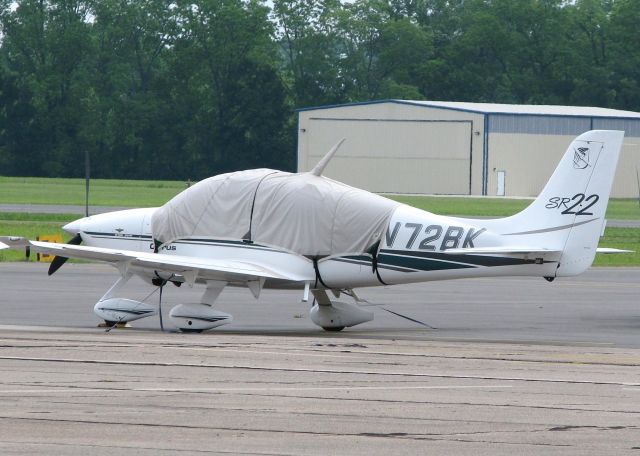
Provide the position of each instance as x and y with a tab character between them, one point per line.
413	249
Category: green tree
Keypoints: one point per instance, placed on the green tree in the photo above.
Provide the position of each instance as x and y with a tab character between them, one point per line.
126	129
43	49
625	53
231	98
588	68
173	89
307	31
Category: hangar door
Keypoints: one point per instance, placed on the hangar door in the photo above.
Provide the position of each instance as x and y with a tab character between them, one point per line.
394	156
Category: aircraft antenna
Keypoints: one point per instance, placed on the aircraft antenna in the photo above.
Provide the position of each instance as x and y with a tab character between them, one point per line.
87	176
409	318
322	164
638	180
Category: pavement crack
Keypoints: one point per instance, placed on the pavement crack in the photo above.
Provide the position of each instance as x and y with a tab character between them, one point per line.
600	428
142	448
314	370
470	404
392	435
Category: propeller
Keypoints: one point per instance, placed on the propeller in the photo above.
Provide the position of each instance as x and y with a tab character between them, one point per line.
58	261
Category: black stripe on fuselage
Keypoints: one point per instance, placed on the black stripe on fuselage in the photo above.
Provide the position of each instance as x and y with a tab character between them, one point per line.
402	263
413	261
366	261
465	260
207	319
125	237
225	243
130	311
420	263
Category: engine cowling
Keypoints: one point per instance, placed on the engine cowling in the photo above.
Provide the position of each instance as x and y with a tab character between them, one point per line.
198	317
122	310
339	315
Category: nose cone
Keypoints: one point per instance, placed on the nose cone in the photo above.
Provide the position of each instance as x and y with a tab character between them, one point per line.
74	227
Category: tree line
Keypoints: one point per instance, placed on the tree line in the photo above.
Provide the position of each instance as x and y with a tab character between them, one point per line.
184	90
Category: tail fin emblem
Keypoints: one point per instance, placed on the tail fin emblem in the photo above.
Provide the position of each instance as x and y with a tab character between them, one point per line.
581	157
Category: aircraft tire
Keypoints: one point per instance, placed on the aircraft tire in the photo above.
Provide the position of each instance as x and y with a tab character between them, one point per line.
333	328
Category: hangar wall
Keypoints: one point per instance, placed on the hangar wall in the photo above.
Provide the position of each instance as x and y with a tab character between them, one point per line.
396	146
527	160
528	148
625	184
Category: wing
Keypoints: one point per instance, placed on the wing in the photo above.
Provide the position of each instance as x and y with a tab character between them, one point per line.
189	267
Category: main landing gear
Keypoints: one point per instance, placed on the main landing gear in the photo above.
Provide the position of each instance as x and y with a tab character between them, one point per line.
336	315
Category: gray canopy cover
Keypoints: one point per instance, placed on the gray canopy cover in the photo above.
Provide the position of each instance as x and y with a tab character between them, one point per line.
303	213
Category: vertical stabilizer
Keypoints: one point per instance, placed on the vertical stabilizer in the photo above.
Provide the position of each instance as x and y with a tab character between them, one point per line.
569	213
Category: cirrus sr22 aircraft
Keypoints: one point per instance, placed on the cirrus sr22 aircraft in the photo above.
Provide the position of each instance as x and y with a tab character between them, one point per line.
270	229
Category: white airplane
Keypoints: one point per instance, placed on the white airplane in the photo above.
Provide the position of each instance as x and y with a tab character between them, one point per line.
270	229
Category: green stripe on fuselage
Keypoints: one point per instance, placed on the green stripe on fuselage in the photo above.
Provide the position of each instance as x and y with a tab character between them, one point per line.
420	264
433	261
469	260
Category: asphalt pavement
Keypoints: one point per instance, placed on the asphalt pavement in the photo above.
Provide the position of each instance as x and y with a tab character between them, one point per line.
601	306
513	366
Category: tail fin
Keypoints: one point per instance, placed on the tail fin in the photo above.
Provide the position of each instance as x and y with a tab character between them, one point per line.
569	213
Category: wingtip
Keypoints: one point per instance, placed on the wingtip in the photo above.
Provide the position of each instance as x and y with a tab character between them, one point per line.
13	242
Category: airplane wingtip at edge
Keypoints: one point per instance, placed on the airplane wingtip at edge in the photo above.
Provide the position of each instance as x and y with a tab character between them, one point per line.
13	242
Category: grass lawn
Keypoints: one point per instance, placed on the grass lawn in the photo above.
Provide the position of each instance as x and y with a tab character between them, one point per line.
103	192
29	229
137	193
627	209
620	238
59	219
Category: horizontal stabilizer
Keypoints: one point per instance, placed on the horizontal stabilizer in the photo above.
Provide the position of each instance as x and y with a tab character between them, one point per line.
607	250
506	250
3	246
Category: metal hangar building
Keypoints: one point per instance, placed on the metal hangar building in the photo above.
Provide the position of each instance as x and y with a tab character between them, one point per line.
453	148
